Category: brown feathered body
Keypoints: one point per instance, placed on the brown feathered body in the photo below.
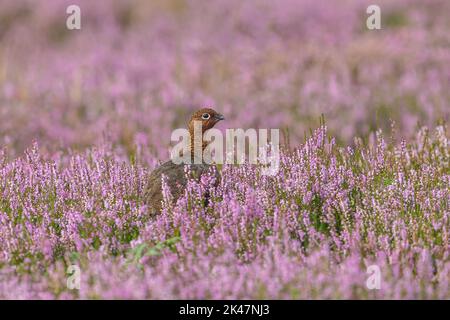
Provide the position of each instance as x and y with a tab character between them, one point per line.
176	181
175	174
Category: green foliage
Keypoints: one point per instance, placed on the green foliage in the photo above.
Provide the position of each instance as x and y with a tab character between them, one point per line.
142	250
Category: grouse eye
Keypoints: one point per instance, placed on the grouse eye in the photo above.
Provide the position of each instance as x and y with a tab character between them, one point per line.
205	116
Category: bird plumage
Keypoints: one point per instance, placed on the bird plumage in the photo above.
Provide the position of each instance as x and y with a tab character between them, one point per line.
174	174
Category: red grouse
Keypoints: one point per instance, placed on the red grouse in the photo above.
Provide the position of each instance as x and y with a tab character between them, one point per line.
175	175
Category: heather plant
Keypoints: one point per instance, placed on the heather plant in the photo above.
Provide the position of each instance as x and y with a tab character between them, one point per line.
137	69
259	237
88	114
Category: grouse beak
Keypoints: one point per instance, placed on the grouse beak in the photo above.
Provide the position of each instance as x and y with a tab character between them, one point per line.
219	117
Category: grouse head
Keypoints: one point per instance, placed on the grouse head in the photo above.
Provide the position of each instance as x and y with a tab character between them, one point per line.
208	118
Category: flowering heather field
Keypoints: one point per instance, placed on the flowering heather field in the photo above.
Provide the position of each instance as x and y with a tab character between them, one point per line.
87	115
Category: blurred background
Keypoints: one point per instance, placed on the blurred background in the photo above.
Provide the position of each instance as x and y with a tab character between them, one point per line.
137	69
